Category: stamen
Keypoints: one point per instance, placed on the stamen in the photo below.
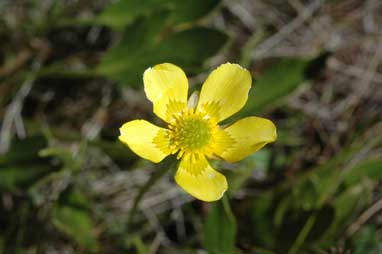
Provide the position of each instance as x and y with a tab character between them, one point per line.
192	132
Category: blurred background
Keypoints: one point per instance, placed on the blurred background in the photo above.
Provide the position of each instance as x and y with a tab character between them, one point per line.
71	75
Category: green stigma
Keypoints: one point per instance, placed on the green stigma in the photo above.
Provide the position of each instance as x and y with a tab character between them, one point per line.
192	133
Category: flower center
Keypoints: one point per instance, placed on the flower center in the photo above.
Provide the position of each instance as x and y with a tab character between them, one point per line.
191	132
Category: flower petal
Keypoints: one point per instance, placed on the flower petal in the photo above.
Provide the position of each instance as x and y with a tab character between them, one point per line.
225	91
166	86
145	139
199	179
247	136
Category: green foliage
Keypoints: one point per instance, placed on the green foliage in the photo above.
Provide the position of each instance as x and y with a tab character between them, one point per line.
316	207
258	161
191	10
268	88
70	159
149	40
22	151
371	168
261	215
76	224
124	12
126	61
21	166
67	191
11	178
220	229
349	201
368	241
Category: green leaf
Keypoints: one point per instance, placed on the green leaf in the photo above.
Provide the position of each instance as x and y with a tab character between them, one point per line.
274	84
258	161
71	159
315	187
42	191
369	168
125	12
13	177
220	229
24	150
119	152
123	62
137	242
368	240
190	10
189	52
262	229
76	224
302	227
144	45
349	203
76	198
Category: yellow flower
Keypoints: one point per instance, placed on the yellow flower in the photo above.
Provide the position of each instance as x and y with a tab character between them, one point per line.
193	131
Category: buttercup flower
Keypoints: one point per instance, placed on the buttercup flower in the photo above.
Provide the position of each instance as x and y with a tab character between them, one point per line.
193	131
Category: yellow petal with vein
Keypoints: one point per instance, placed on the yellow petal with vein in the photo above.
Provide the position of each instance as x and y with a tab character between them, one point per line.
145	139
199	179
225	91
166	86
247	136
